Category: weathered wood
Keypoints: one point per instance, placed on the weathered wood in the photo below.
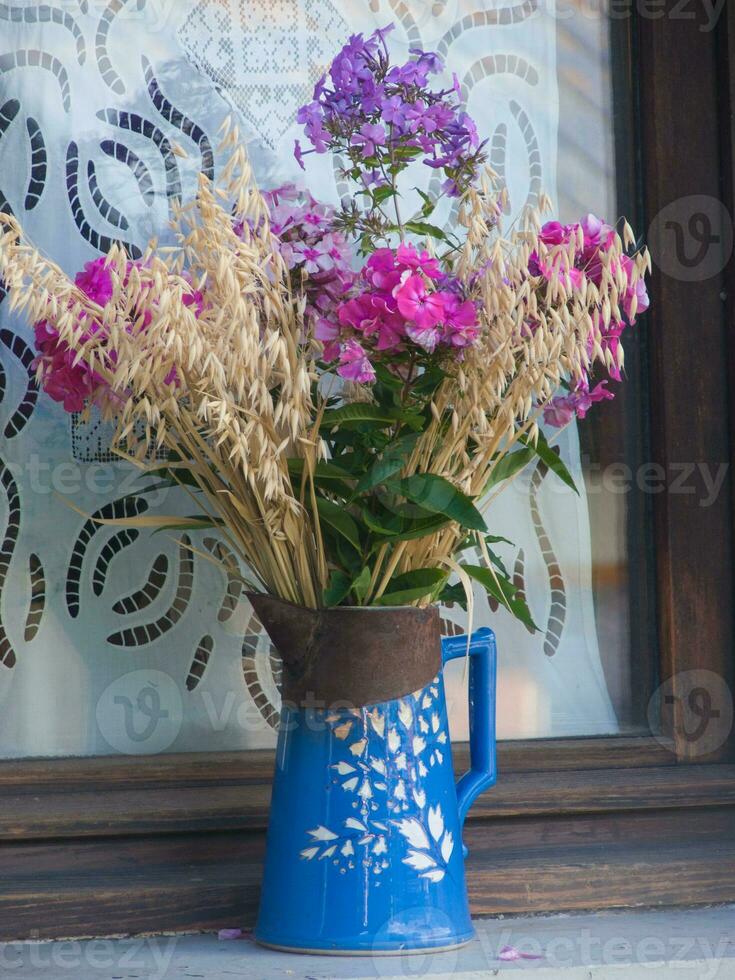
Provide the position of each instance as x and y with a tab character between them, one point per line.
216	769
680	124
190	882
184	809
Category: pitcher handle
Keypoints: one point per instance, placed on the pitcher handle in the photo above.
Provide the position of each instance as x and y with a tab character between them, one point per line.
483	770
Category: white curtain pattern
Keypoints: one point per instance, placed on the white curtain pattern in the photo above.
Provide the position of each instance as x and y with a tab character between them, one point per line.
116	641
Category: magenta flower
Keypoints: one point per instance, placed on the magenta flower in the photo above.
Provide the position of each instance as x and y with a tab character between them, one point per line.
407	256
354	364
460	321
638	290
416	303
562	409
554	233
381	270
68	383
95	280
597	233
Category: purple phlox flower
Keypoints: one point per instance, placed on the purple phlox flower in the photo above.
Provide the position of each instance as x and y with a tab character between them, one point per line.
370	137
395	110
372	178
382	32
319	87
311	117
430	59
372	98
299	154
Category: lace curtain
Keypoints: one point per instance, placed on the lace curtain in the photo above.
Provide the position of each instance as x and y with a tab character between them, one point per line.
122	641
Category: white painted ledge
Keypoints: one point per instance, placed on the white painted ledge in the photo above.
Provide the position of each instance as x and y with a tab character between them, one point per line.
690	944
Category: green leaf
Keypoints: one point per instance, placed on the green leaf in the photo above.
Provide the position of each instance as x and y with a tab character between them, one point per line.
381	194
497	561
412	585
361	585
346	556
429	203
424	228
358	412
428	381
338	588
339	520
502	589
438	495
508	466
453	594
387	377
193	523
552	460
407	152
379	472
325	473
399	528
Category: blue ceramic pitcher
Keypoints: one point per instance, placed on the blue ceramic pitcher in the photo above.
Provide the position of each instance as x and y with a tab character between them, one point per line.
364	851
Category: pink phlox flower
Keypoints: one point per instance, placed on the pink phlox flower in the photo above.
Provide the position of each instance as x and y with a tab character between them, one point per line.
311	258
408	257
416	303
354	364
511	954
427	336
195	298
597	233
638	290
555	233
460	321
95	280
381	270
327	331
562	409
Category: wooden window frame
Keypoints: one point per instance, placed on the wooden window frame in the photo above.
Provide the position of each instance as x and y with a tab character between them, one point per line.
109	845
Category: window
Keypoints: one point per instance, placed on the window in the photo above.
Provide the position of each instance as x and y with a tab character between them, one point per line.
137	826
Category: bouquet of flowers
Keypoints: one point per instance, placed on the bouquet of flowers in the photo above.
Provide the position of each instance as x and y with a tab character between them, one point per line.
342	391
